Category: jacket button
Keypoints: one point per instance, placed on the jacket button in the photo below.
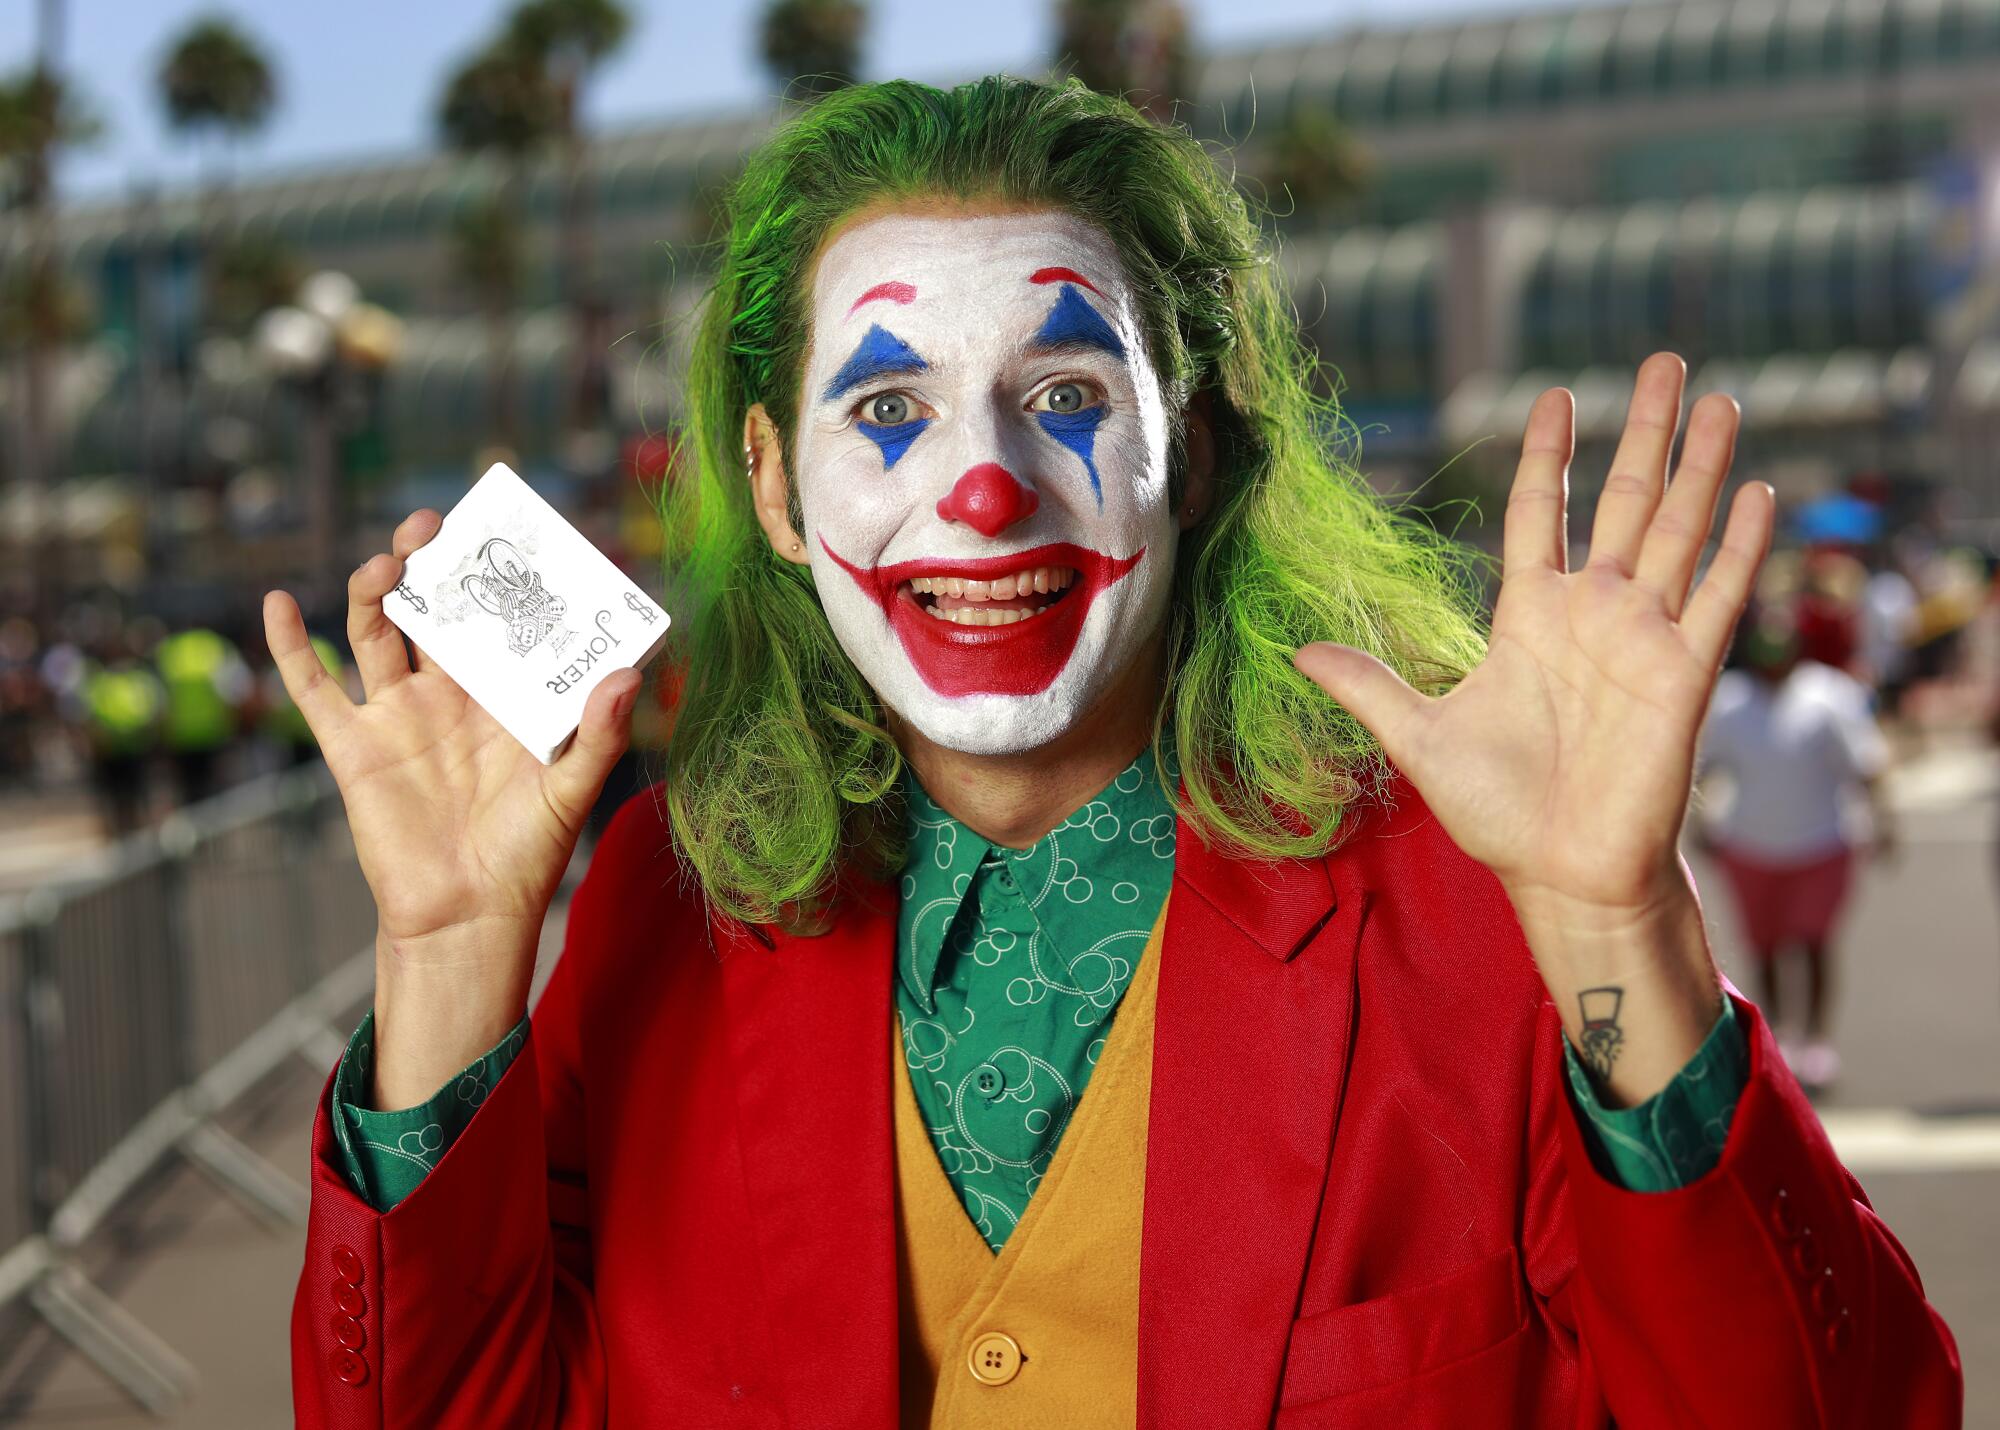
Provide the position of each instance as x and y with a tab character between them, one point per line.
350	1368
347	1264
349	1333
1783	1217
1840	1332
995	1359
1805	1251
1826	1294
348	1297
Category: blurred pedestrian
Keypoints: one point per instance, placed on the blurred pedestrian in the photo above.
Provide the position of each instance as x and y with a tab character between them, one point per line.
122	704
206	682
24	701
1888	622
1805	760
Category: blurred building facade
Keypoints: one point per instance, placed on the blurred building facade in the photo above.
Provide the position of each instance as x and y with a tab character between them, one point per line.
1801	196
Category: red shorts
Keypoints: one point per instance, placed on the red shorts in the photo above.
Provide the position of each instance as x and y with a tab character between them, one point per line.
1783	903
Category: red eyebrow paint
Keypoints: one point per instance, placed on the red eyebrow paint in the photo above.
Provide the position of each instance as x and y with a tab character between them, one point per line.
892	292
1062	275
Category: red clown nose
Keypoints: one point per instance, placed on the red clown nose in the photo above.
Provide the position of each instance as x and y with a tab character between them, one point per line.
988	499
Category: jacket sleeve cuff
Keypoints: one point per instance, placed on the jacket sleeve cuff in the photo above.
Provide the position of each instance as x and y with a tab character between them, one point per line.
386	1154
1677	1135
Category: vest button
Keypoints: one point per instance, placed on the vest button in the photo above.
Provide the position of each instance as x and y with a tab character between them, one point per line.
995	1359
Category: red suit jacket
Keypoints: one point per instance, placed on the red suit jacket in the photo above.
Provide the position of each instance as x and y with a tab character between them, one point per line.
1366	1200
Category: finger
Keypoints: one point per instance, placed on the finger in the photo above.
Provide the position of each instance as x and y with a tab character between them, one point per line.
379	653
1679	529
1374	694
414	531
1724	590
318	695
1537	530
1639	469
574	781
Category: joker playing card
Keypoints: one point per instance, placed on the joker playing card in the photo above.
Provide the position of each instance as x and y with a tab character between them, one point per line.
521	610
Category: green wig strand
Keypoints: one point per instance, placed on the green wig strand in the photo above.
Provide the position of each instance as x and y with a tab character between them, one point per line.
782	778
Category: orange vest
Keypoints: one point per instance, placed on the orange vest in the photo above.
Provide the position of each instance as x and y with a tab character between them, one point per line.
1046	1332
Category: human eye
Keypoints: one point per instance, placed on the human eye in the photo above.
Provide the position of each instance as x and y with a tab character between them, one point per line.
1066	396
886	409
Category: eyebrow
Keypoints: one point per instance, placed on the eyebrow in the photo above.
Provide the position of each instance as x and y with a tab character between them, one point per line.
1062	275
888	292
880	353
1074	326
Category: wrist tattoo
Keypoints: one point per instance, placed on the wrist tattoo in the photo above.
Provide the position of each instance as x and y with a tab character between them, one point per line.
1602	1038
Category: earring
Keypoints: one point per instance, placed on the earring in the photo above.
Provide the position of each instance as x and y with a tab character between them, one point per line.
795	543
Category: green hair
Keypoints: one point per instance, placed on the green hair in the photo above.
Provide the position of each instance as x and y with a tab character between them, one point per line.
782	778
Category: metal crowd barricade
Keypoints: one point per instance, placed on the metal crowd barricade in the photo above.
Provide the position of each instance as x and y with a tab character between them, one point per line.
141	997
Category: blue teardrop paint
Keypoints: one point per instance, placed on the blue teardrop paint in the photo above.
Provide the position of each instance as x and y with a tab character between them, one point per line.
1078	432
893	440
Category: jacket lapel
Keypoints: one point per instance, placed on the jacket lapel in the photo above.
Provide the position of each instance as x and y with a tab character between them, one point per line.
1250	1052
806	1036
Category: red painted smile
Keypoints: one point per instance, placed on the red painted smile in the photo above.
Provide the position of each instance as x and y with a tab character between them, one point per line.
994	625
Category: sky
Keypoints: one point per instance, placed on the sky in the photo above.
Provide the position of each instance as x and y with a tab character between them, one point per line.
360	77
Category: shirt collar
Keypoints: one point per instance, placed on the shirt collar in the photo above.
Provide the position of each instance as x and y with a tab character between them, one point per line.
1122	837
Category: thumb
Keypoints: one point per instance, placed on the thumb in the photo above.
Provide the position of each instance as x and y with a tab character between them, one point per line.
578	775
1374	694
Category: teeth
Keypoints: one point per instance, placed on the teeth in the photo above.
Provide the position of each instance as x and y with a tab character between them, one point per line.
974	616
1042	580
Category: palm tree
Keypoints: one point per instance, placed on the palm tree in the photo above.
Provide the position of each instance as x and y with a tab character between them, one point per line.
1315	159
39	116
812	46
498	104
1134	48
572	39
216	81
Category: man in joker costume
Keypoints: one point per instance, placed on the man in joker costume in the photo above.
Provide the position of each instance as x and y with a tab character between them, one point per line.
1115	943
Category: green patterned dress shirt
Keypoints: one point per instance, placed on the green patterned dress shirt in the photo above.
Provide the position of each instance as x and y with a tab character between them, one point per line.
1010	965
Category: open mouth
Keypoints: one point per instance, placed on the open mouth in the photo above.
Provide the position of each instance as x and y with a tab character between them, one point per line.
992	625
1006	601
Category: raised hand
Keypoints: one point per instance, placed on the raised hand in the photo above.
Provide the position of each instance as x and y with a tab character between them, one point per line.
1563	761
461	833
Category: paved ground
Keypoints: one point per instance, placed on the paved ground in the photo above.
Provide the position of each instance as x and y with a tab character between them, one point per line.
1919	1026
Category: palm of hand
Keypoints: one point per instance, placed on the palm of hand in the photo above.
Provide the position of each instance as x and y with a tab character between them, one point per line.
434	784
1563	760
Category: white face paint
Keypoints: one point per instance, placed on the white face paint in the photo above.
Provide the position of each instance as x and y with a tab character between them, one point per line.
982	464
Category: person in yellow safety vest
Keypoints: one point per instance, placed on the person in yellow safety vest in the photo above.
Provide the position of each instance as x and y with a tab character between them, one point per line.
283	725
206	681
123	703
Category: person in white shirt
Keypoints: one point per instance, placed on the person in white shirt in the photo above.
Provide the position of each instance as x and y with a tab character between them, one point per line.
1804	760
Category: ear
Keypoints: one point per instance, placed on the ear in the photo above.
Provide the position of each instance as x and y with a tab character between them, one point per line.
1199	485
765	461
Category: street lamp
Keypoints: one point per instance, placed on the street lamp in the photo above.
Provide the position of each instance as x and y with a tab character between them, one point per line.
324	346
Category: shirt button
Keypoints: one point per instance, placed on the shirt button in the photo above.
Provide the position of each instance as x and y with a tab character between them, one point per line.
995	1359
989	1080
347	1264
1805	1252
1783	1217
349	1333
351	1369
349	1298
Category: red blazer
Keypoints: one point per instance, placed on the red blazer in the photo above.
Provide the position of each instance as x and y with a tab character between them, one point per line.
1366	1200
